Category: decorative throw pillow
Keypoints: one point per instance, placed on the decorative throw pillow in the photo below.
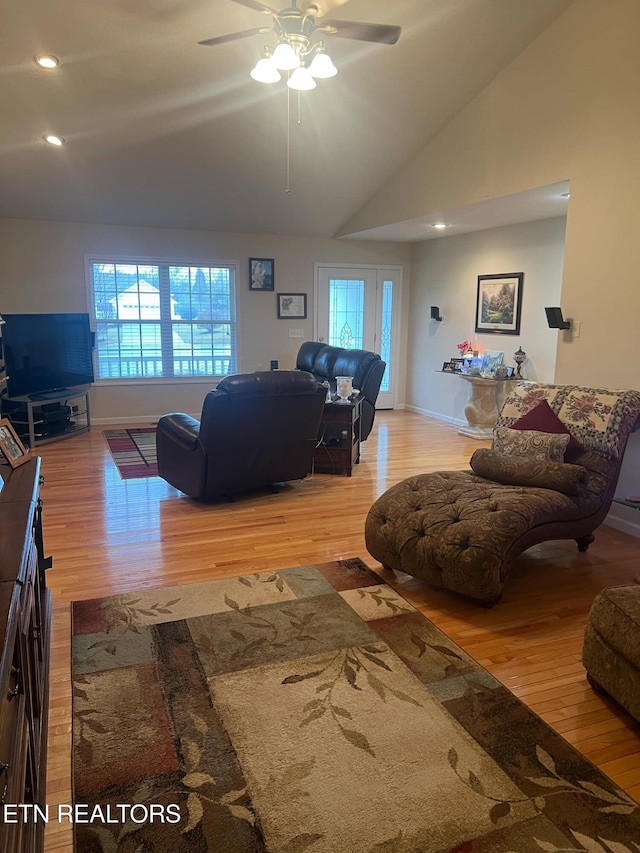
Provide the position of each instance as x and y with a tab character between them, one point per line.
513	471
542	418
531	444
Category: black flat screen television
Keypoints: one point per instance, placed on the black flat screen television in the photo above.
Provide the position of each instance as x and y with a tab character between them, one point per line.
46	352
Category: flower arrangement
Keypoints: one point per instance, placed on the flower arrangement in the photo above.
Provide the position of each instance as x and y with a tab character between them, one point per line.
463	347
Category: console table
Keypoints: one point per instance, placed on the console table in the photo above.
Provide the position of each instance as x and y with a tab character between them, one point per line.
25	615
338	448
482	408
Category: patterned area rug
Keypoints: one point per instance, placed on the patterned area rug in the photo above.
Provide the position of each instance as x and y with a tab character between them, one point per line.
314	709
133	451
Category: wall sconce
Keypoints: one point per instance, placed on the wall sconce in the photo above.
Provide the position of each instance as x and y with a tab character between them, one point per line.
435	314
556	320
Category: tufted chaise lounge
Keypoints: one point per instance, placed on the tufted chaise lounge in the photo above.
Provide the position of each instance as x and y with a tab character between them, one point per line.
463	532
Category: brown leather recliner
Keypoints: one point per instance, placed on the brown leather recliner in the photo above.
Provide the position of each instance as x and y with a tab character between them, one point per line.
367	368
255	429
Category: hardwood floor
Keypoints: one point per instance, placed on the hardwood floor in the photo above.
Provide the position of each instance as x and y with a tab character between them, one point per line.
108	536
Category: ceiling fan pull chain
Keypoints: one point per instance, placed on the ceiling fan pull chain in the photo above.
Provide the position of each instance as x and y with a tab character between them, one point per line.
299	107
288	189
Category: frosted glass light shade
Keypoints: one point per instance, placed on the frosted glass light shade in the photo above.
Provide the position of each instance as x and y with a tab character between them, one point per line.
301	80
265	71
322	66
285	58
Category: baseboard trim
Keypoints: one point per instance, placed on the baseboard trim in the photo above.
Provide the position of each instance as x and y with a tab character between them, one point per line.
132	419
436	415
624	519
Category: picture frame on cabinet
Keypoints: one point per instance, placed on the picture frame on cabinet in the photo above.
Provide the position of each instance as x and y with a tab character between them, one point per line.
13	450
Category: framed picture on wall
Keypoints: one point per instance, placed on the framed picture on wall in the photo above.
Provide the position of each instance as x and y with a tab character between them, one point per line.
261	273
292	306
499	303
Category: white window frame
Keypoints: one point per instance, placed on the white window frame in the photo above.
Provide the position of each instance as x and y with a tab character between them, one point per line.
141	260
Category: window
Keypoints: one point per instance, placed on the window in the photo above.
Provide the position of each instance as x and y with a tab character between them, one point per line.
163	319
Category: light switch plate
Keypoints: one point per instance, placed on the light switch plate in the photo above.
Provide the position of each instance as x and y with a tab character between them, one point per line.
296	333
575	328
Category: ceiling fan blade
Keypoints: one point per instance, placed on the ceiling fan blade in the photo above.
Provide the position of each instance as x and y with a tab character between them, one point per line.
319	8
257	6
233	36
381	33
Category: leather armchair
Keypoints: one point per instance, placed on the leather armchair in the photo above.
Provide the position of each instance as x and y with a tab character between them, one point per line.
256	429
367	368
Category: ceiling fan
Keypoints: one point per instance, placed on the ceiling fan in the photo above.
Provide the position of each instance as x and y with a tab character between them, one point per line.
299	49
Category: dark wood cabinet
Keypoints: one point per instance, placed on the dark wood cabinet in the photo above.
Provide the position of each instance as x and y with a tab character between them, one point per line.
25	616
338	448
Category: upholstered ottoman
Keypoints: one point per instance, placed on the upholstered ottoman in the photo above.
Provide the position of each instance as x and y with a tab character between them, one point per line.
611	651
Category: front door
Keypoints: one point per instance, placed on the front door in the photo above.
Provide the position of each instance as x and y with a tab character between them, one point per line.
357	308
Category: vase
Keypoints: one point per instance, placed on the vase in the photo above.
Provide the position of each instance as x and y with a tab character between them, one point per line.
344	388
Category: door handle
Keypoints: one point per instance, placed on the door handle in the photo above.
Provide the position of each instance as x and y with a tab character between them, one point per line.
17	689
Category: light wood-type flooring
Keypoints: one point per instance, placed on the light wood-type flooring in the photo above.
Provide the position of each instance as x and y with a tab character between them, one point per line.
108	536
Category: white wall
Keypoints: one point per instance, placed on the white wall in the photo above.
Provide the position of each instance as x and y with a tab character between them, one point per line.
565	109
444	273
43	271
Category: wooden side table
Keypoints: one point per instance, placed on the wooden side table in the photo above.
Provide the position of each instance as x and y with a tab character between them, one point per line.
338	447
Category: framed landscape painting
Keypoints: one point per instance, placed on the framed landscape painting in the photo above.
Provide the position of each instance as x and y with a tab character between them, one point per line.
499	303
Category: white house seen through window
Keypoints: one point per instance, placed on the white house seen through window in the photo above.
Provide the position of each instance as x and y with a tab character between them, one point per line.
163	319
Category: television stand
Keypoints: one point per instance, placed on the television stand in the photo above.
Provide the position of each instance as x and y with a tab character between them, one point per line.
41	418
56	394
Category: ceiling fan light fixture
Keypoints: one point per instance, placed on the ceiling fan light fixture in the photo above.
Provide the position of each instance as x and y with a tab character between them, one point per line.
265	71
322	65
285	57
54	140
301	80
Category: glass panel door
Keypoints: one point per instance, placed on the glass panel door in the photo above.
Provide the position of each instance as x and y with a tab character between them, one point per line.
355	310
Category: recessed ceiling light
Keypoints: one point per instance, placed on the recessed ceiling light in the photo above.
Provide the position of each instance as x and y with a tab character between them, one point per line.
439	225
565	195
54	140
47	60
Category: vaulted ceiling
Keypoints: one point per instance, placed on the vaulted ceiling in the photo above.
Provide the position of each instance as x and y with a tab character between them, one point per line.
162	132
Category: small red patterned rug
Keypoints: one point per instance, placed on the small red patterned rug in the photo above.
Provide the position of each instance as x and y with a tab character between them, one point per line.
133	451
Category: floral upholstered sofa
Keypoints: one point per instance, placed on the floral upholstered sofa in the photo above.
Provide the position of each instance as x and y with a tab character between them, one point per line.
551	474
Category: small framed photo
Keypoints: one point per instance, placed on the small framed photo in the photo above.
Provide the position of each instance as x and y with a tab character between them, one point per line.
448	367
261	273
499	303
457	363
12	448
491	360
292	306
